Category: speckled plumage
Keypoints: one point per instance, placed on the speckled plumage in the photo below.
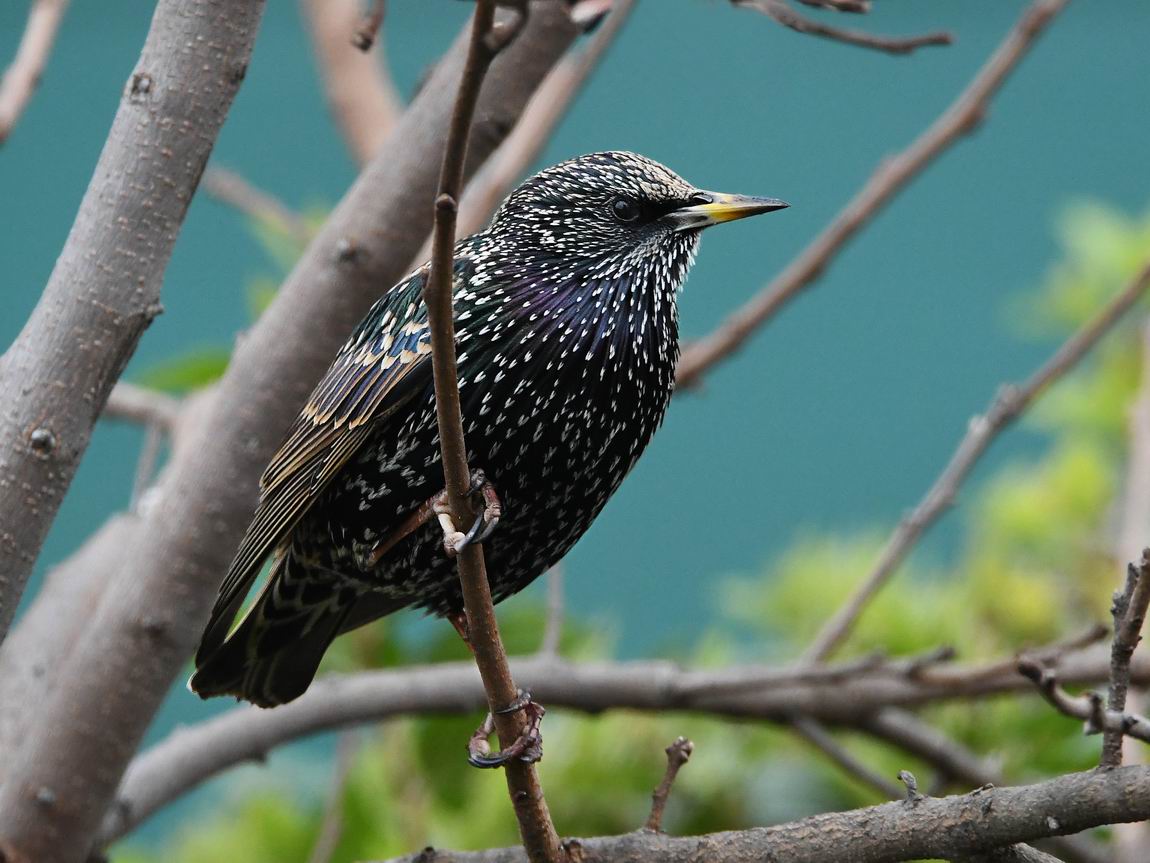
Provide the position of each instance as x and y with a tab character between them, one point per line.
567	339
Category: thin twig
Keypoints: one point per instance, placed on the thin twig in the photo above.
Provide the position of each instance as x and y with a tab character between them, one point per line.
136	404
788	17
892	176
538	833
539	119
232	189
1129	613
1006	407
360	93
367	31
860	6
553	628
146	464
331	827
1089	708
678	754
821	739
23	75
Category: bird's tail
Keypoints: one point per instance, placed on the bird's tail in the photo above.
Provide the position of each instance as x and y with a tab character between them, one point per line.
272	655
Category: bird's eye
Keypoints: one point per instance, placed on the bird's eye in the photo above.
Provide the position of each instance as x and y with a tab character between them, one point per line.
625	209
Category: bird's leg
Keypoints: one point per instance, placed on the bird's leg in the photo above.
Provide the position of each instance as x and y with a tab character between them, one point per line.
454	540
527	747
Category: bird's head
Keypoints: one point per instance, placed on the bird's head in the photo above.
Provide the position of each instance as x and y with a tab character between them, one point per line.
615	207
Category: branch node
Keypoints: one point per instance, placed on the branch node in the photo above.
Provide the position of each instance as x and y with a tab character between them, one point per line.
912	794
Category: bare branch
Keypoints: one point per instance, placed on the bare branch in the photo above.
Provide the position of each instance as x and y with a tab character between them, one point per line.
931	827
678	754
538	833
234	190
23	76
892	176
860	6
788	17
848	695
360	93
105	287
106	694
814	733
140	405
1089	708
1129	612
1006	407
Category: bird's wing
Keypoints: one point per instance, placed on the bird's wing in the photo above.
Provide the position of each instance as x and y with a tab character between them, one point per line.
384	364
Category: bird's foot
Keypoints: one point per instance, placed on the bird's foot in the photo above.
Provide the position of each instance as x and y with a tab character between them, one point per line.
454	540
528	747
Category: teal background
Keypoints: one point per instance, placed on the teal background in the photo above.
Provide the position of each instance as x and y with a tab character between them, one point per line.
839	414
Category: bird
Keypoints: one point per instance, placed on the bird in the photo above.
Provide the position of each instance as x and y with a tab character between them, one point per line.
567	337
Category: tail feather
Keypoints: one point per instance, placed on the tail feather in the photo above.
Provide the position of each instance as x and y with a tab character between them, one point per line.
273	654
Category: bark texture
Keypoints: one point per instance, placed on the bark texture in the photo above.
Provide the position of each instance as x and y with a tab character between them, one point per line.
105	287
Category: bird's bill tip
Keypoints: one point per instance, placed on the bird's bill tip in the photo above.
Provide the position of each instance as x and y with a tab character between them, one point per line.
722	208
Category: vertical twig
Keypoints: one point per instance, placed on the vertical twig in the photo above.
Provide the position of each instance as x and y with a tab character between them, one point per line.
678	754
1129	612
360	93
487	39
331	827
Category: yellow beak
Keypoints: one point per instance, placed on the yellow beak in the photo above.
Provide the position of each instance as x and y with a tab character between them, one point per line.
715	208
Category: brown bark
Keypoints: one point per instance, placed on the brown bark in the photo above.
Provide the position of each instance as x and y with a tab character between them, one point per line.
956	828
105	287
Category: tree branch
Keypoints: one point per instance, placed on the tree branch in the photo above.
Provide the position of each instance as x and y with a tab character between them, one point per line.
23	75
788	17
928	827
848	695
232	189
1089	708
535	827
134	644
1129	611
963	115
1006	407
360	94
136	404
105	287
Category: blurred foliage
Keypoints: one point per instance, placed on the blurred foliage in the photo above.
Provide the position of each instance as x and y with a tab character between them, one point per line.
1034	565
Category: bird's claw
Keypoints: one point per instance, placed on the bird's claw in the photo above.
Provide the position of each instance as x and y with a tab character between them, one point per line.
528	747
454	541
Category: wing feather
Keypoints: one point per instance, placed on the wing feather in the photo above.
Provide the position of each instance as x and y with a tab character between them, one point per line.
383	365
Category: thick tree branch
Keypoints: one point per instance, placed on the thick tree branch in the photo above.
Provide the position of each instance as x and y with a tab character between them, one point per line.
135	643
788	17
23	75
535	828
1006	407
963	115
105	287
849	695
929	827
360	94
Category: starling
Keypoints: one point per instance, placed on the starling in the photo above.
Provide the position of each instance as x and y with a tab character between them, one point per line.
567	338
